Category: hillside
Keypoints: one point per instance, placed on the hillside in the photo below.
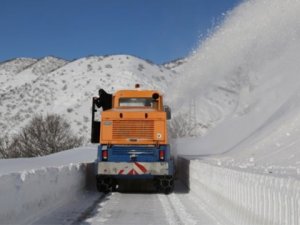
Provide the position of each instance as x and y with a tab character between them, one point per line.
26	74
14	66
176	65
9	70
52	85
246	89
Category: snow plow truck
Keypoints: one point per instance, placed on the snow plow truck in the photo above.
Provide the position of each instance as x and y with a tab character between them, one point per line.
133	139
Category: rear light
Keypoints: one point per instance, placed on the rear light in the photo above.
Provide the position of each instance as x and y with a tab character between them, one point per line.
104	155
161	155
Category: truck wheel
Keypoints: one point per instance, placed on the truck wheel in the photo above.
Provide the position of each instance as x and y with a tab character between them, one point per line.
164	184
105	184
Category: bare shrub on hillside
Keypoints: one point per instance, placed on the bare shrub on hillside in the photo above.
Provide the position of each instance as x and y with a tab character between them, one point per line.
181	126
89	67
178	126
43	136
4	147
141	67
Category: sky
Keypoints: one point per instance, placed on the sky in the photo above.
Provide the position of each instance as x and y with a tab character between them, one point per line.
156	30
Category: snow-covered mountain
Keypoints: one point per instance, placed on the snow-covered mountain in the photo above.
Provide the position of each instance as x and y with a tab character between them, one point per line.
44	65
28	71
176	65
52	85
10	69
14	66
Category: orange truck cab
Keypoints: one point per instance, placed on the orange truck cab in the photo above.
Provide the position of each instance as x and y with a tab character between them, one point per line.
133	139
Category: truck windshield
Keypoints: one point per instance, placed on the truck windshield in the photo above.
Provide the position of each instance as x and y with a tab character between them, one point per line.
136	102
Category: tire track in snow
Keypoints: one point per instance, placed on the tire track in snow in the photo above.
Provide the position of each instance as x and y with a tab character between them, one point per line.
90	210
181	210
205	209
169	211
175	211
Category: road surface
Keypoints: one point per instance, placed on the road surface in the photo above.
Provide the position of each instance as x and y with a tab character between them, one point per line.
132	208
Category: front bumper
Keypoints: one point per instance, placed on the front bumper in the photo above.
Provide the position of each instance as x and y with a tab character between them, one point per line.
135	168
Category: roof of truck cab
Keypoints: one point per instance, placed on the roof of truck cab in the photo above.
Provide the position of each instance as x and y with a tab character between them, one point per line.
133	109
136	93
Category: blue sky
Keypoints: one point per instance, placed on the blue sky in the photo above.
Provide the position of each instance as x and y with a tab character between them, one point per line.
157	30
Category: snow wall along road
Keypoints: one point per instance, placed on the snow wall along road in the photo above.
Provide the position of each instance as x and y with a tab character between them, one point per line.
24	194
243	198
43	183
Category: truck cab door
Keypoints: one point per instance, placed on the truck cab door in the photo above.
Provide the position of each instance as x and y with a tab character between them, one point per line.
96	124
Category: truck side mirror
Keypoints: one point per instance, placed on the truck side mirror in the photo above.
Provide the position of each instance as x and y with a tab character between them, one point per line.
95	137
167	109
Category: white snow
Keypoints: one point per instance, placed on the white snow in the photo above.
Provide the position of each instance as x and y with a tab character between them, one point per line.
246	87
150	209
243	197
239	91
26	194
52	85
33	187
78	155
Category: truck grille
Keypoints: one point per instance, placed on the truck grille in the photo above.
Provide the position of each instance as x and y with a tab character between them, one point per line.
131	129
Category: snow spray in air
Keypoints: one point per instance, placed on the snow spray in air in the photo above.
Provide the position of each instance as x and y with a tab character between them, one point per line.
254	52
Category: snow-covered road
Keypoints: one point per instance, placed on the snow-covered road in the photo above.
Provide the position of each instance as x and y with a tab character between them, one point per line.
132	208
62	193
216	195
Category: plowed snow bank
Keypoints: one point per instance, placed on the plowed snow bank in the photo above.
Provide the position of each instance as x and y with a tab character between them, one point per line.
243	197
25	194
31	186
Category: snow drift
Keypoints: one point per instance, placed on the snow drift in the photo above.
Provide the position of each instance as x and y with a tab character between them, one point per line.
29	187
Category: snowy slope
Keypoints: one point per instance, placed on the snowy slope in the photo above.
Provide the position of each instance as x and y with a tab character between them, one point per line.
246	91
246	85
43	66
14	66
52	85
10	69
176	65
30	73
